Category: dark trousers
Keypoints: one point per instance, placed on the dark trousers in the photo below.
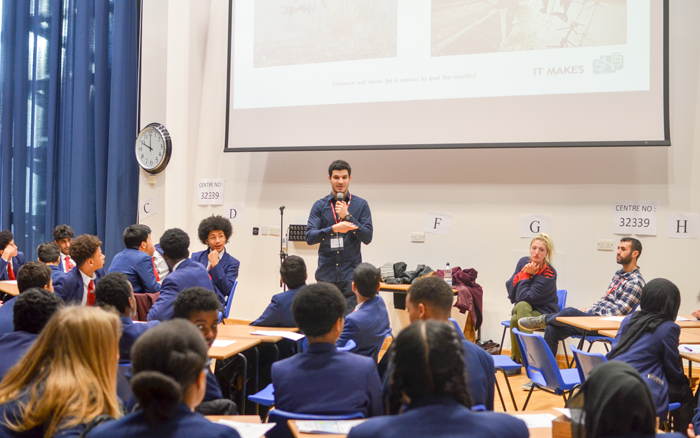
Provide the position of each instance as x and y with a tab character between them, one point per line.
558	331
681	393
350	298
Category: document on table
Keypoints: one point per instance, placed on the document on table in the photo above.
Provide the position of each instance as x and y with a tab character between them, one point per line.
340	427
533	421
287	335
689	348
565	411
249	430
613	318
222	343
681	318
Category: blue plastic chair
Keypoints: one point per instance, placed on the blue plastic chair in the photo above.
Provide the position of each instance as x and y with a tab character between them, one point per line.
280	418
266	397
123	385
478	408
542	368
347	347
561	296
504	363
459	330
229	301
586	362
375	356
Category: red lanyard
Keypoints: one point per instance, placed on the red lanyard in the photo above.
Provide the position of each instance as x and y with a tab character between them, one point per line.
615	286
335	216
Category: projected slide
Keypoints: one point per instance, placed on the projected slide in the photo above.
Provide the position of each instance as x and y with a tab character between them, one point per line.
321	69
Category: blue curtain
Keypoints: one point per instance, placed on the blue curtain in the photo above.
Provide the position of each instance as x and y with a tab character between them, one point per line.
68	119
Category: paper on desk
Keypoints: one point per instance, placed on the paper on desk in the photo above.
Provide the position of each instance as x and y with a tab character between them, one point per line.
222	343
10	281
287	335
689	348
565	411
341	427
249	430
533	421
613	318
680	318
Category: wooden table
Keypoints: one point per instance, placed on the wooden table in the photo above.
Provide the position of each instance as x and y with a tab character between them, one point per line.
9	287
235	331
231	350
685	338
400	291
252	419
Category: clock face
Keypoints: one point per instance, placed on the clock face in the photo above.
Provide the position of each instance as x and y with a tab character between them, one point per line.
153	148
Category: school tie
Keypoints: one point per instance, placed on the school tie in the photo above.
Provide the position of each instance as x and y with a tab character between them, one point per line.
10	271
69	264
155	271
91	294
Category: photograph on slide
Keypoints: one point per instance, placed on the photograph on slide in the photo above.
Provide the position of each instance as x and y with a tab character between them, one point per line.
295	32
476	26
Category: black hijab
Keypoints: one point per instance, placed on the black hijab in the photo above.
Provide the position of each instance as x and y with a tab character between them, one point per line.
613	401
660	302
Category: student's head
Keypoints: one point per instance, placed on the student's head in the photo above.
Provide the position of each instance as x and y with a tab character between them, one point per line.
293	271
628	250
114	290
366	279
7	238
318	310
63	235
429	298
48	253
661	296
86	253
33	310
428	358
613	401
138	237
175	244
69	374
169	363
541	248
214	232
34	274
201	307
339	175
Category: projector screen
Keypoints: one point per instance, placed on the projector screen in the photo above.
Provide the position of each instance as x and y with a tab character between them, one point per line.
382	74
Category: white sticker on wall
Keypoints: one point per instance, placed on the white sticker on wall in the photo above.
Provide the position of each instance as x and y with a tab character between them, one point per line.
683	226
210	191
533	224
636	217
437	223
147	208
234	212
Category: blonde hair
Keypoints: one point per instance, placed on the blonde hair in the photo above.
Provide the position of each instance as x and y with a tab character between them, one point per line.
548	242
69	374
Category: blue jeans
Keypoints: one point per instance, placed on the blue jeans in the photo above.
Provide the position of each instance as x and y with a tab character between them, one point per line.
558	331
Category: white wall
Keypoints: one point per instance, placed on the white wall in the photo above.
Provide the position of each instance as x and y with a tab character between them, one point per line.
184	86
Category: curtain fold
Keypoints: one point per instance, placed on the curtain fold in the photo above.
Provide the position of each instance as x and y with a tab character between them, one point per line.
68	119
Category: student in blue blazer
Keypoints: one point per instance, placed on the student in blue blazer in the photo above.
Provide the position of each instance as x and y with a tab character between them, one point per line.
323	380
648	340
428	374
169	365
279	312
33	310
368	324
214	232
185	273
136	261
63	236
8	251
78	285
30	275
114	292
50	254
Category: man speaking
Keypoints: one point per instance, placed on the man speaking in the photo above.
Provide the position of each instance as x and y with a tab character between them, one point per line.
339	222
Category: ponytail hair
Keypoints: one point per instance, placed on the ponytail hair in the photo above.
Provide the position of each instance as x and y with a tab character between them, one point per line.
166	361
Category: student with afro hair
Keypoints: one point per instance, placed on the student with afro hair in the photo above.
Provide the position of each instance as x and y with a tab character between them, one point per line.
214	232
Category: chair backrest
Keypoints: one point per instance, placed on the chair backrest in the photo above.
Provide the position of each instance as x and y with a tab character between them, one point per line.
561	295
456	324
348	345
634	309
375	355
229	300
281	430
537	356
123	384
585	362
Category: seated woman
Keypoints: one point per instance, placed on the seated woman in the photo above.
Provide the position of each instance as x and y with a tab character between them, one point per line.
66	379
648	341
214	232
170	366
428	376
614	402
533	286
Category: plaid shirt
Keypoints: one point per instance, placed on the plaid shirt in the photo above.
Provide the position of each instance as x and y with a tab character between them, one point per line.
624	293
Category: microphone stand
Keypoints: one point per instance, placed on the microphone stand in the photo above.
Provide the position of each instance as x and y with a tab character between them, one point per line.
283	255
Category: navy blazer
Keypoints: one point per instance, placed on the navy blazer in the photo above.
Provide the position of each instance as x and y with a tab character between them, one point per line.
213	391
11	410
17	263
481	374
325	381
440	416
367	326
223	275
7	313
656	357
138	267
130	331
188	274
70	286
279	312
13	346
183	424
56	273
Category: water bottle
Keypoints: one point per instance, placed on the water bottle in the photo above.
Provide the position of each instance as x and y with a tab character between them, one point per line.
448	275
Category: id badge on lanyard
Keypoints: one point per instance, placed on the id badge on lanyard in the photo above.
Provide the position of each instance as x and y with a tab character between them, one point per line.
337	242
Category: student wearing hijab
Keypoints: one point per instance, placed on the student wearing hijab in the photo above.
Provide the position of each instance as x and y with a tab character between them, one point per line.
648	341
614	401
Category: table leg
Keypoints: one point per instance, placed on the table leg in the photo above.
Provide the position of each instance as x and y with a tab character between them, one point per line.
245	379
583	339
